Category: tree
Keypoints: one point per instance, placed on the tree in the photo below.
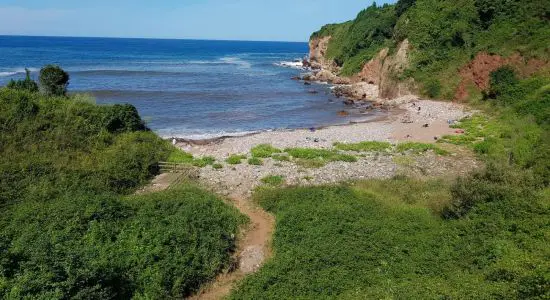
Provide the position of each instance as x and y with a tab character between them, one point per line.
402	6
53	80
122	118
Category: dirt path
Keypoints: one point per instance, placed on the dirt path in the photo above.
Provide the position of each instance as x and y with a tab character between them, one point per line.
254	244
254	248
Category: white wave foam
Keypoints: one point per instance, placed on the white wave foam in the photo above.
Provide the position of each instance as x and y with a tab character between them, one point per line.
236	61
203	62
16	71
7	74
296	64
170	133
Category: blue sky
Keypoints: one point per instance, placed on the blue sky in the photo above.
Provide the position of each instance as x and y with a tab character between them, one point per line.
275	20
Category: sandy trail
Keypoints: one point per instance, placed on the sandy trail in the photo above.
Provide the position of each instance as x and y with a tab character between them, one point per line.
254	248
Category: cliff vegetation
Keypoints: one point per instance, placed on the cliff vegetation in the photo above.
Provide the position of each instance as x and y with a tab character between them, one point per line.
443	35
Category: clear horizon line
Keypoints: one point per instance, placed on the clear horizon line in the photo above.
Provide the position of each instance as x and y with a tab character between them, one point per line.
151	38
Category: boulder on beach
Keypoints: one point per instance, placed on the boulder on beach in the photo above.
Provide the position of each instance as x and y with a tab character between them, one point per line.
343	113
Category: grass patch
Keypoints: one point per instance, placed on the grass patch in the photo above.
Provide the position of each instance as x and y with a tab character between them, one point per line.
281	157
264	151
273	180
235	159
182	157
255	161
179	156
319	154
420	148
204	161
368	146
217	166
311	163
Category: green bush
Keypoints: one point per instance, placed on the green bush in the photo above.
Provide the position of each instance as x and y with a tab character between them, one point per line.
281	157
264	151
235	159
494	184
380	240
179	156
93	246
369	146
53	81
501	80
204	161
123	117
273	180
420	148
433	89
67	232
255	161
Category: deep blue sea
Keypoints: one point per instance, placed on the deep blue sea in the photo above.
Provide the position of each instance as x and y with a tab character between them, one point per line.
185	88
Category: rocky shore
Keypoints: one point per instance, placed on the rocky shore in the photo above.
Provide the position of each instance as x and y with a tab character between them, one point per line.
411	121
377	81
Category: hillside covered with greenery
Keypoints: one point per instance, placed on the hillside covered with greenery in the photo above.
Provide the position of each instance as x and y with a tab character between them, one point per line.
483	236
445	35
70	226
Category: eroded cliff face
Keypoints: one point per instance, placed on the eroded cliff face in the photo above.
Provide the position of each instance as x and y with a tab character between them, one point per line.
477	73
385	70
317	55
381	73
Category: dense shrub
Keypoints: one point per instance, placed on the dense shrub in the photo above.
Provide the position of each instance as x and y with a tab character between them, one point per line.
67	232
381	240
501	81
53	80
101	247
123	117
494	184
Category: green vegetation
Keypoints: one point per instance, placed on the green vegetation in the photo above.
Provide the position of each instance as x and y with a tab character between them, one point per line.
281	157
27	84
204	161
383	239
255	161
182	157
356	42
444	35
368	146
235	159
264	151
273	180
217	166
68	230
53	81
483	236
319	154
419	148
311	163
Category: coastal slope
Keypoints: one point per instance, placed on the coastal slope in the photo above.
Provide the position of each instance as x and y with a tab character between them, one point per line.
437	49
